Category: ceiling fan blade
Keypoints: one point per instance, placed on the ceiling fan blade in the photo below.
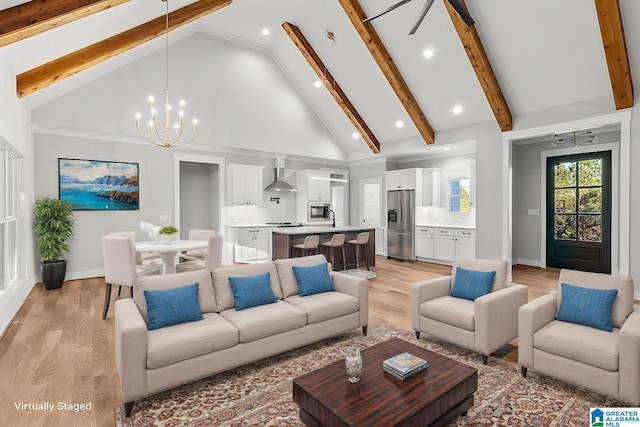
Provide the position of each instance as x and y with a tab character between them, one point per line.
423	13
459	7
387	10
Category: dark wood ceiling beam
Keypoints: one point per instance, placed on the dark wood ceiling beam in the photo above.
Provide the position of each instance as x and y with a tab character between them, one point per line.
35	17
482	67
615	50
388	67
75	62
332	86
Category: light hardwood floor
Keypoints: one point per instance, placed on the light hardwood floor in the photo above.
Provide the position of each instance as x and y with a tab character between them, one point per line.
58	348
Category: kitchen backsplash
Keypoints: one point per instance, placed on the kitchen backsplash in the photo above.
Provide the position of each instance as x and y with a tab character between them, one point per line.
268	212
441	216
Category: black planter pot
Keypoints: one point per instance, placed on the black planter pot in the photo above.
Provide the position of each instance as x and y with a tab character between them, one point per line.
53	274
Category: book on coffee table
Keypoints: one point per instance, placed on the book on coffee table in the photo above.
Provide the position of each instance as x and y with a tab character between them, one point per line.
404	365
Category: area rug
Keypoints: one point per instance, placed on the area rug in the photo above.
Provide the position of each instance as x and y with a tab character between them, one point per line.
260	394
363	274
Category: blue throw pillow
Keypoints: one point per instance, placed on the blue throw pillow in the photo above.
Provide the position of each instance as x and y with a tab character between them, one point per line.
313	279
471	284
252	291
167	307
587	306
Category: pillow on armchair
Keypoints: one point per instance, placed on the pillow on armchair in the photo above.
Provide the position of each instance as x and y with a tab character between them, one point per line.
471	284
587	306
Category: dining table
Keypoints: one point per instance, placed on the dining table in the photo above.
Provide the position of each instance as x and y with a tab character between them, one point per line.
169	251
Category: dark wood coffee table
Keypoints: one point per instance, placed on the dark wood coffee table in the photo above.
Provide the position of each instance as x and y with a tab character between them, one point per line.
433	397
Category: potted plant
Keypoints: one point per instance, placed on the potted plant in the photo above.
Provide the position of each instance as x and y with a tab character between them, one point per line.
168	233
53	221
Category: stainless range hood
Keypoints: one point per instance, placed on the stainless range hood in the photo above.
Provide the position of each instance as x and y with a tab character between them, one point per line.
279	184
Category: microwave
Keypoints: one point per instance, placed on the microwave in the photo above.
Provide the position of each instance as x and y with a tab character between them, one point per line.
318	211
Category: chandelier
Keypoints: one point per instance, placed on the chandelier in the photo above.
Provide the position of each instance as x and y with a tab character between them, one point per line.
167	133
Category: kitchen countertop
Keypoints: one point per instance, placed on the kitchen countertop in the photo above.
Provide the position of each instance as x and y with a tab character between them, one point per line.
320	229
464	227
251	225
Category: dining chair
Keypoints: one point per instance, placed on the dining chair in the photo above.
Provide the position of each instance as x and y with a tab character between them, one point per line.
213	258
197	254
141	257
120	267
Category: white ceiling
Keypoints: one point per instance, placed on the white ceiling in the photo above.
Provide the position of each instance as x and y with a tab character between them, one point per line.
545	53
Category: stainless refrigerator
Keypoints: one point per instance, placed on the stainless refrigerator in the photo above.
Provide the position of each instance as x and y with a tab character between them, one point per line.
401	224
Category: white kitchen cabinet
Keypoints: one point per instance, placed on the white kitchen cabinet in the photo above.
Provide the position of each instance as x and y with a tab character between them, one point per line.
431	187
444	244
424	242
244	185
402	179
249	244
318	186
465	243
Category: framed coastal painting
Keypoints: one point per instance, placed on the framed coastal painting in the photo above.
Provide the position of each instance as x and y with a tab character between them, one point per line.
98	184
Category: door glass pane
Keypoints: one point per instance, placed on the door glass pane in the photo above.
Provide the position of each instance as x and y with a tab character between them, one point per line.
565	227
566	174
590	200
590	228
565	200
590	173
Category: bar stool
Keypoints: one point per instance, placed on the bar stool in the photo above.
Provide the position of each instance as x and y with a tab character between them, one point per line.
337	241
310	244
361	240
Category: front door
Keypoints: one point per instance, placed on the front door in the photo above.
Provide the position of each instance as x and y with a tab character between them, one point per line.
579	212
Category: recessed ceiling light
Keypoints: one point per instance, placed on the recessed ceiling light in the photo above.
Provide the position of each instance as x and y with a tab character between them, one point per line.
355	135
265	31
428	53
446	149
318	84
457	109
399	124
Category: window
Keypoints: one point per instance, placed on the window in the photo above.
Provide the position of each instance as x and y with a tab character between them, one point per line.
459	195
9	189
578	200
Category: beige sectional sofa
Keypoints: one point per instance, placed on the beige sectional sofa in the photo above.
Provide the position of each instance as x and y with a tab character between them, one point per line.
151	361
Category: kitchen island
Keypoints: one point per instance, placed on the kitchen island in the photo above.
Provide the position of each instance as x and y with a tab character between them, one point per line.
284	238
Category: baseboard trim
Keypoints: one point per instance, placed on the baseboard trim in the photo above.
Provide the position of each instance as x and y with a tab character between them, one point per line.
11	299
77	275
529	262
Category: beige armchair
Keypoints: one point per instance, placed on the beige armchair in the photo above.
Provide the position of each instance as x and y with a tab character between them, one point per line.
482	325
605	362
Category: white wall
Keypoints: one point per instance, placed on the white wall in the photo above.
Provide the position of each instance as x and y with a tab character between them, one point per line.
15	133
156	169
527	176
488	189
240	96
585	113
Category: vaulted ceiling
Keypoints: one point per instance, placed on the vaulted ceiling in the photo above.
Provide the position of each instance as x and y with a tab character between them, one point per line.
520	57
